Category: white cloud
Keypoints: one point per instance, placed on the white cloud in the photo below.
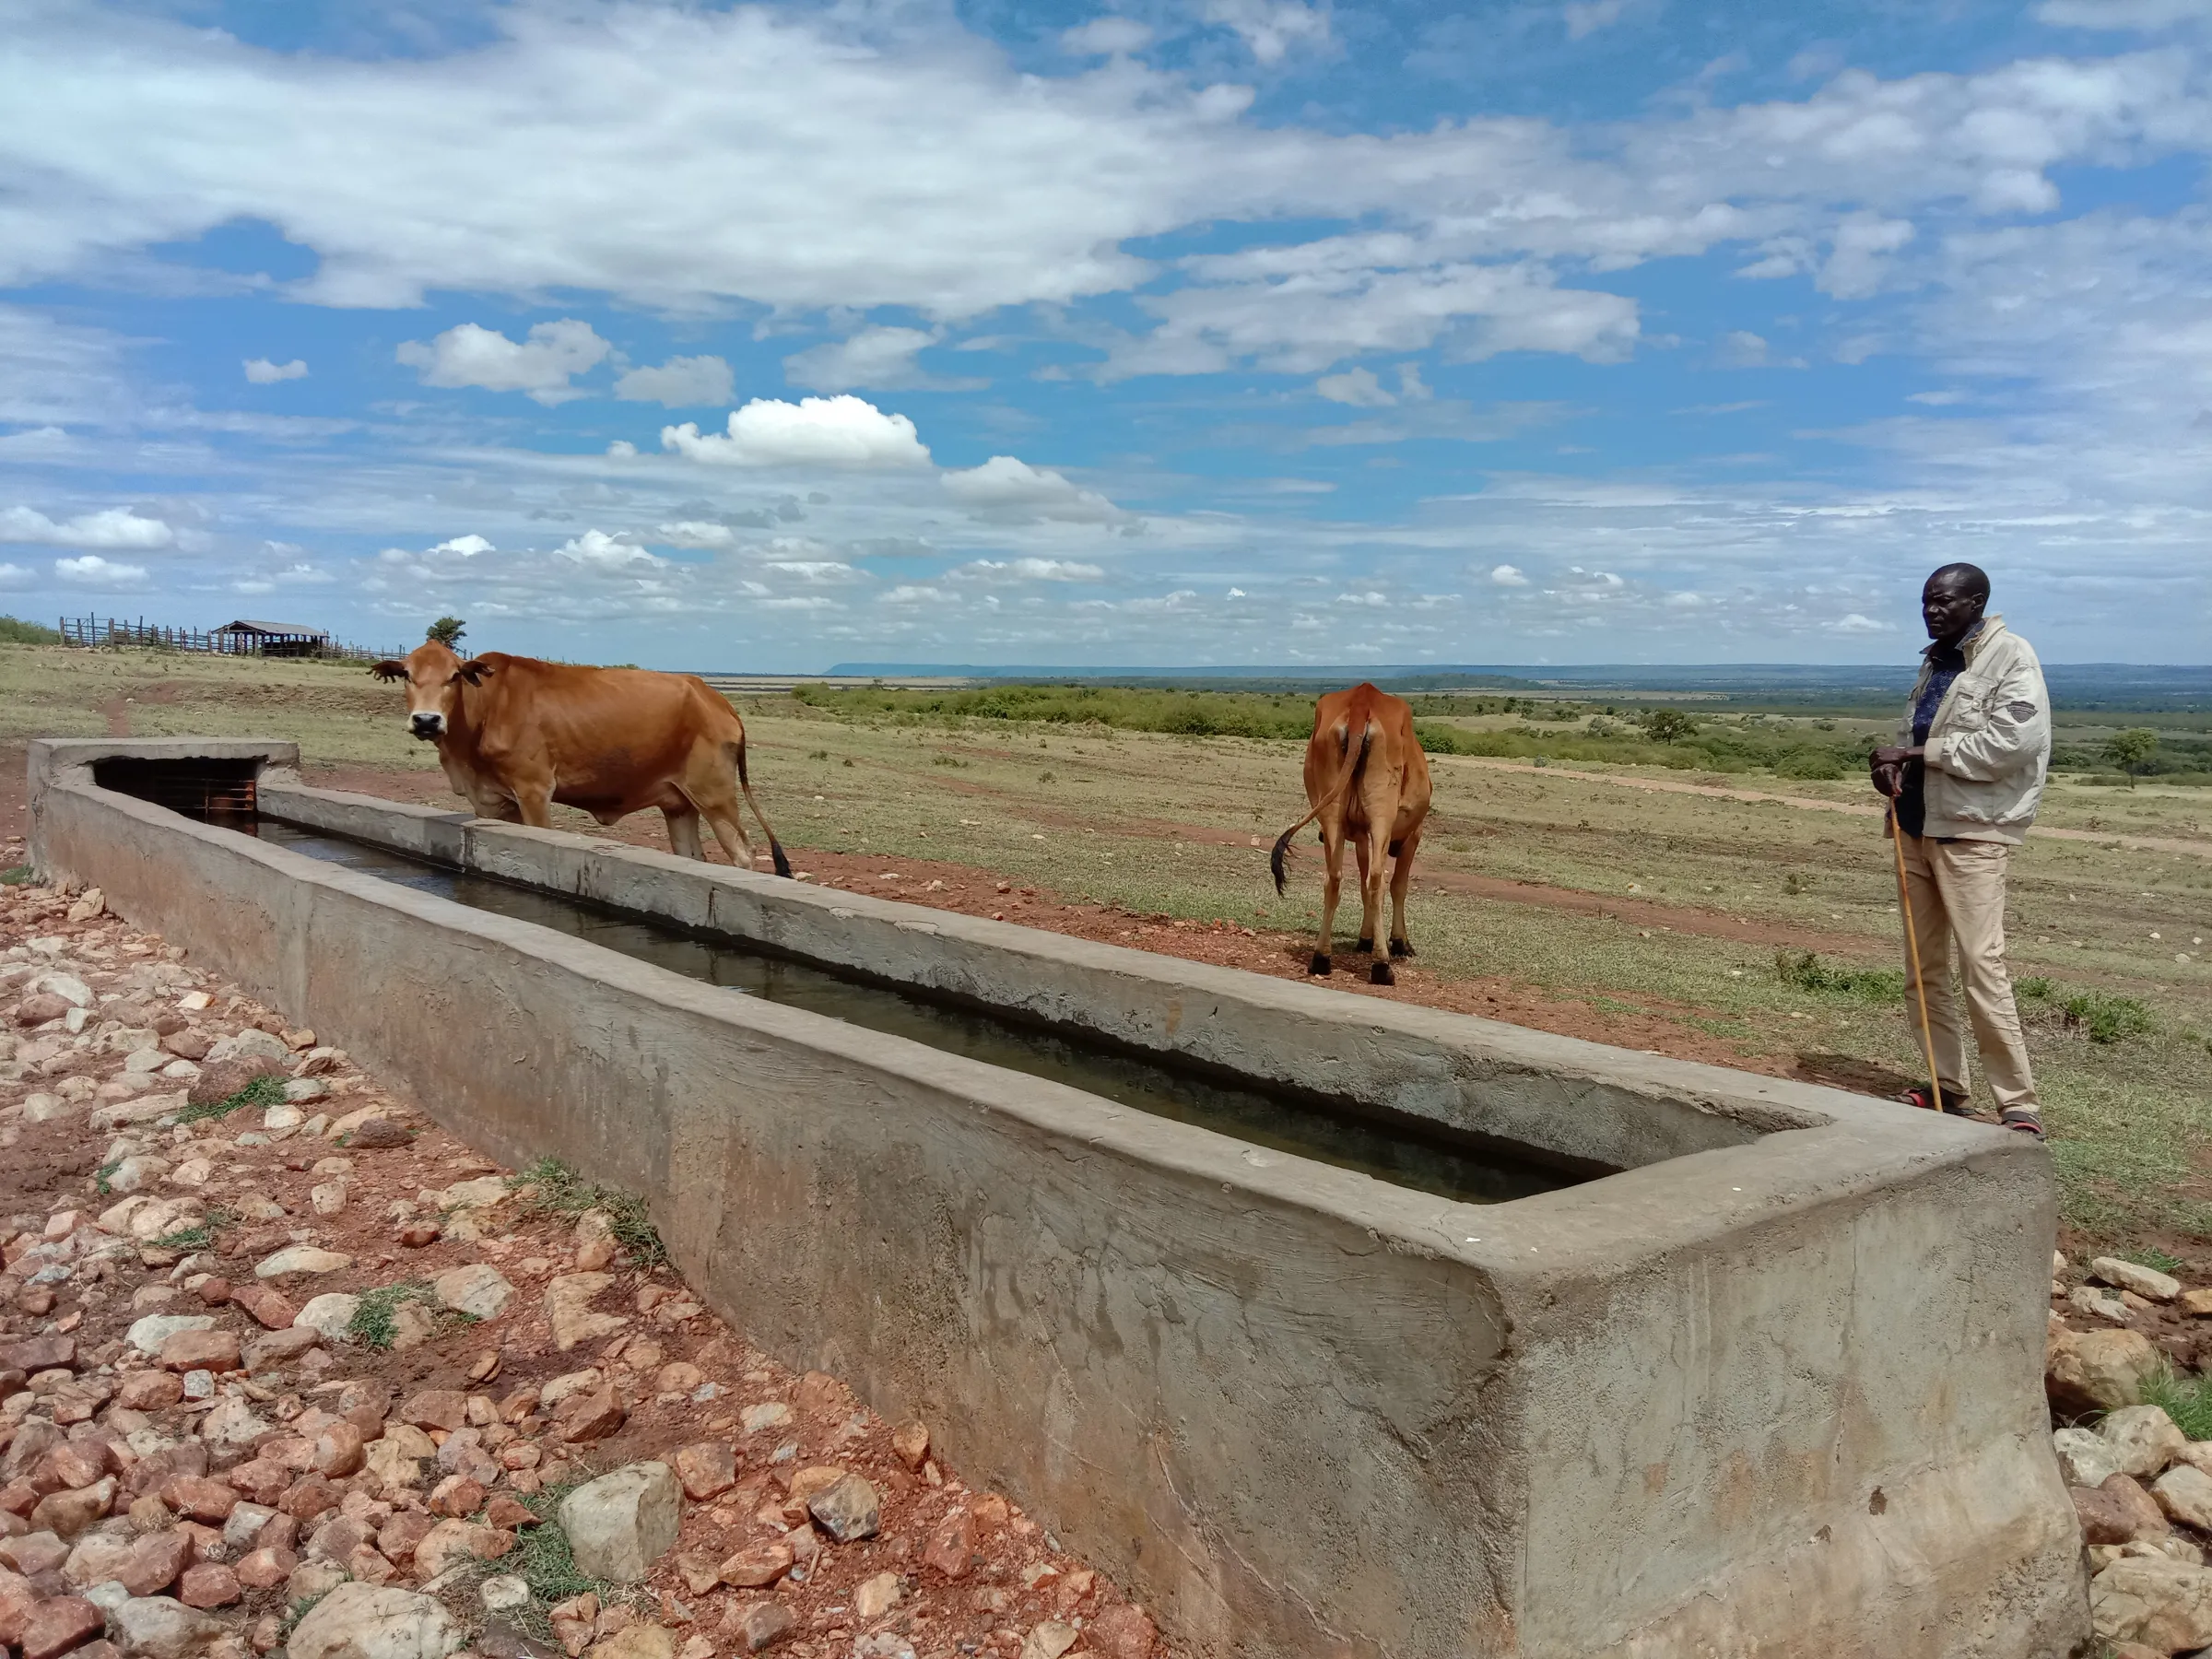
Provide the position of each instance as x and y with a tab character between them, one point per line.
1853	623
470	354
622	449
1004	488
1103	36
913	594
1370	599
113	527
1585	18
815	431
1028	570
883	360
695	533
464	547
2121	14
91	571
834	571
678	383
1269	28
597	550
1506	575
15	576
262	372
1357	387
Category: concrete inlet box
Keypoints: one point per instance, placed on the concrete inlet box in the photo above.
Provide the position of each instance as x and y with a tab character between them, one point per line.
1761	1377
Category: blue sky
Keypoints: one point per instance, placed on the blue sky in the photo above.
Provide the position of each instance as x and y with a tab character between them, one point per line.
1210	331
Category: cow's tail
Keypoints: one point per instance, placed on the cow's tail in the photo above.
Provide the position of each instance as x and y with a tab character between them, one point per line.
775	847
1353	760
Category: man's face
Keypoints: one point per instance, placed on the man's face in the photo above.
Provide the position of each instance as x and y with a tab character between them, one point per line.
1949	606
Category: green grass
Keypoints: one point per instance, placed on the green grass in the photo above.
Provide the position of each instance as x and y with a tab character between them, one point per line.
2187	1400
265	1090
14	630
16	875
541	1559
550	1186
101	1176
2102	1016
200	1236
2152	1257
1806	971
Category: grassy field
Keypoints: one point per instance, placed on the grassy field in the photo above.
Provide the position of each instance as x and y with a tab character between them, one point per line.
1670	904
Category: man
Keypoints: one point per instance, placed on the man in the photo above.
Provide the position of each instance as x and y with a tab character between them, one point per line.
1964	785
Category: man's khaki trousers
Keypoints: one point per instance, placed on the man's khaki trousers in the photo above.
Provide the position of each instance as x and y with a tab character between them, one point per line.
1956	892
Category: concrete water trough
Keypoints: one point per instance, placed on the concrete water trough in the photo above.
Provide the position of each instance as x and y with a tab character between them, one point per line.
1331	1324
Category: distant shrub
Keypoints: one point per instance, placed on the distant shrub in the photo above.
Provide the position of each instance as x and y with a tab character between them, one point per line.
2099	1015
14	630
1806	971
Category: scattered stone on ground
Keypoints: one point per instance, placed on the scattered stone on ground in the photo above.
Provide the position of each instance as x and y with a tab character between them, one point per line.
316	1355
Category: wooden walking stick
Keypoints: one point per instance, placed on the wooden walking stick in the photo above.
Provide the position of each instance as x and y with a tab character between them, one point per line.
1920	984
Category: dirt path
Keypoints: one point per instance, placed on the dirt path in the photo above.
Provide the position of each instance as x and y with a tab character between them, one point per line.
2140	844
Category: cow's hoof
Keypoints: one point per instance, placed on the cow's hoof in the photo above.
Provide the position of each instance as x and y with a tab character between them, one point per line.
1401	948
1320	964
1365	947
1380	974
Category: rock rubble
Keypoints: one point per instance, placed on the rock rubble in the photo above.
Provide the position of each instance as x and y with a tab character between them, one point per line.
309	1374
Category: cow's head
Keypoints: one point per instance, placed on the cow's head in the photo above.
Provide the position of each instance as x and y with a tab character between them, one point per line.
435	677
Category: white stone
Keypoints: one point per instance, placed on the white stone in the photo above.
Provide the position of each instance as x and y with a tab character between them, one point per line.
2144	1438
139	1170
503	1593
181	1071
1046	1641
873	1597
282	1117
359	1621
44	1108
148	1333
243	1523
2098	1304
232	1423
620	1524
2129	1276
2184	1492
569	1310
330	1315
66	986
2085	1457
249	1044
301	1259
774	1414
158	1217
484	1192
479	1289
305	1089
2164	1605
192	1002
569	1383
329	1198
158	1627
192	1172
144	1060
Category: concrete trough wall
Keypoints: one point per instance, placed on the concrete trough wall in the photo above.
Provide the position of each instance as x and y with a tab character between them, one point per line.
1774	1389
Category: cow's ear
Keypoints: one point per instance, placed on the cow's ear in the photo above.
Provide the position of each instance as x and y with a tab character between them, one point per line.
390	670
474	670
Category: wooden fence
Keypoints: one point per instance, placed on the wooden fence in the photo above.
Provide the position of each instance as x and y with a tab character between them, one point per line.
111	631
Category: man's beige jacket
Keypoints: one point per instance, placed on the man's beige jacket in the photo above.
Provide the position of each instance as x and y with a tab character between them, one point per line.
1990	745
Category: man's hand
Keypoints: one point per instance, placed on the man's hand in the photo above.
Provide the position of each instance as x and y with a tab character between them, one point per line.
1887	766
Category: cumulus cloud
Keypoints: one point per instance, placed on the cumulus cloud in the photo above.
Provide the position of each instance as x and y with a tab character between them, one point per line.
883	360
1506	575
1104	36
1584	17
695	533
1357	387
597	550
470	354
464	547
1853	623
1028	570
113	527
1007	488
15	576
678	383
262	372
91	571
1270	29
815	431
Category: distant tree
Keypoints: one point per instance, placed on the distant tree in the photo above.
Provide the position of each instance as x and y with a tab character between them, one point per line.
446	632
2131	750
1667	725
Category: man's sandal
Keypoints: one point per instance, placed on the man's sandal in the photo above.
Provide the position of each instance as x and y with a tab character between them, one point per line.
1956	1104
2022	1119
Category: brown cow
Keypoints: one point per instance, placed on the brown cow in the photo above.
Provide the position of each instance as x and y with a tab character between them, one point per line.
1369	782
516	735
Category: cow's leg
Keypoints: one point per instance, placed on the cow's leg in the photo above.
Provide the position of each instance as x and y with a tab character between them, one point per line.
1365	941
1332	884
1371	869
1401	878
536	805
729	830
683	834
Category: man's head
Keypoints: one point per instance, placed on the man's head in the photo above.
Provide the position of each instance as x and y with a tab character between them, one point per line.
434	676
1952	601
